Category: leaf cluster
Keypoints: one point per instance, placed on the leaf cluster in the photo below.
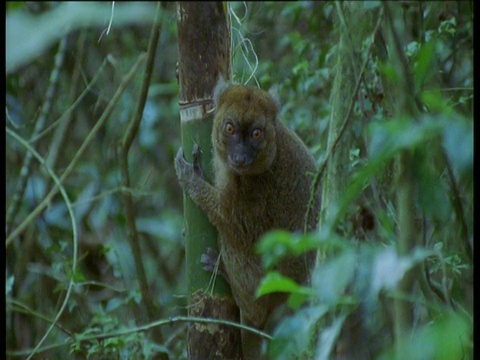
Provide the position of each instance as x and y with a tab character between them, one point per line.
359	267
292	45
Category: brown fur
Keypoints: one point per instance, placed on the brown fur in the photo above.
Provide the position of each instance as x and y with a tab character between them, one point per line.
245	202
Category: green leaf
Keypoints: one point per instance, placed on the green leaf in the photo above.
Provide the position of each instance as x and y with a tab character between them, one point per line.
430	35
448	337
296	299
372	4
114	303
276	282
432	194
448	26
389	71
354	154
388	267
435	102
14	5
274	245
301	67
113	342
458	144
78	276
9	284
423	66
331	278
28	36
389	137
412	49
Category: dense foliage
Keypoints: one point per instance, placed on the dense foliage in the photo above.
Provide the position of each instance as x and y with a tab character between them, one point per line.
69	81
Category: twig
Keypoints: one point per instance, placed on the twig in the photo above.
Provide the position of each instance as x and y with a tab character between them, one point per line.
458	207
17	306
404	105
66	114
181	319
106	114
113	191
68	203
54	144
58	139
319	174
173	320
40	123
102	285
123	150
353	54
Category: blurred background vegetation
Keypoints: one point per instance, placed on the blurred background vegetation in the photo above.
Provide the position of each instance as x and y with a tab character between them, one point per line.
292	45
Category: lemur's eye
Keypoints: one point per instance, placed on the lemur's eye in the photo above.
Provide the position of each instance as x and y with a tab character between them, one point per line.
257	134
229	129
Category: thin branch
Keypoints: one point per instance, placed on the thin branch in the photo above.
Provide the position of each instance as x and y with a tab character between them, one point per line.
102	285
40	123
124	148
113	191
68	203
17	306
182	319
66	114
354	56
404	105
152	47
106	114
319	174
458	207
147	327
58	139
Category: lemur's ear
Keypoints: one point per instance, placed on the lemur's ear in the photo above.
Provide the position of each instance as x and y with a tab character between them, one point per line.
273	91
220	88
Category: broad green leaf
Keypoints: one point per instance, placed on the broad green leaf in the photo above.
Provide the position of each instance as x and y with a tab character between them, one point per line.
114	303
373	4
412	49
423	69
435	102
297	299
274	245
432	194
330	279
275	282
447	337
29	36
458	144
300	68
389	268
448	26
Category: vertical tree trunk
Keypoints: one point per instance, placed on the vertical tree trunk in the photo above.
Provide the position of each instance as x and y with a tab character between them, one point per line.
352	341
336	176
404	106
204	55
